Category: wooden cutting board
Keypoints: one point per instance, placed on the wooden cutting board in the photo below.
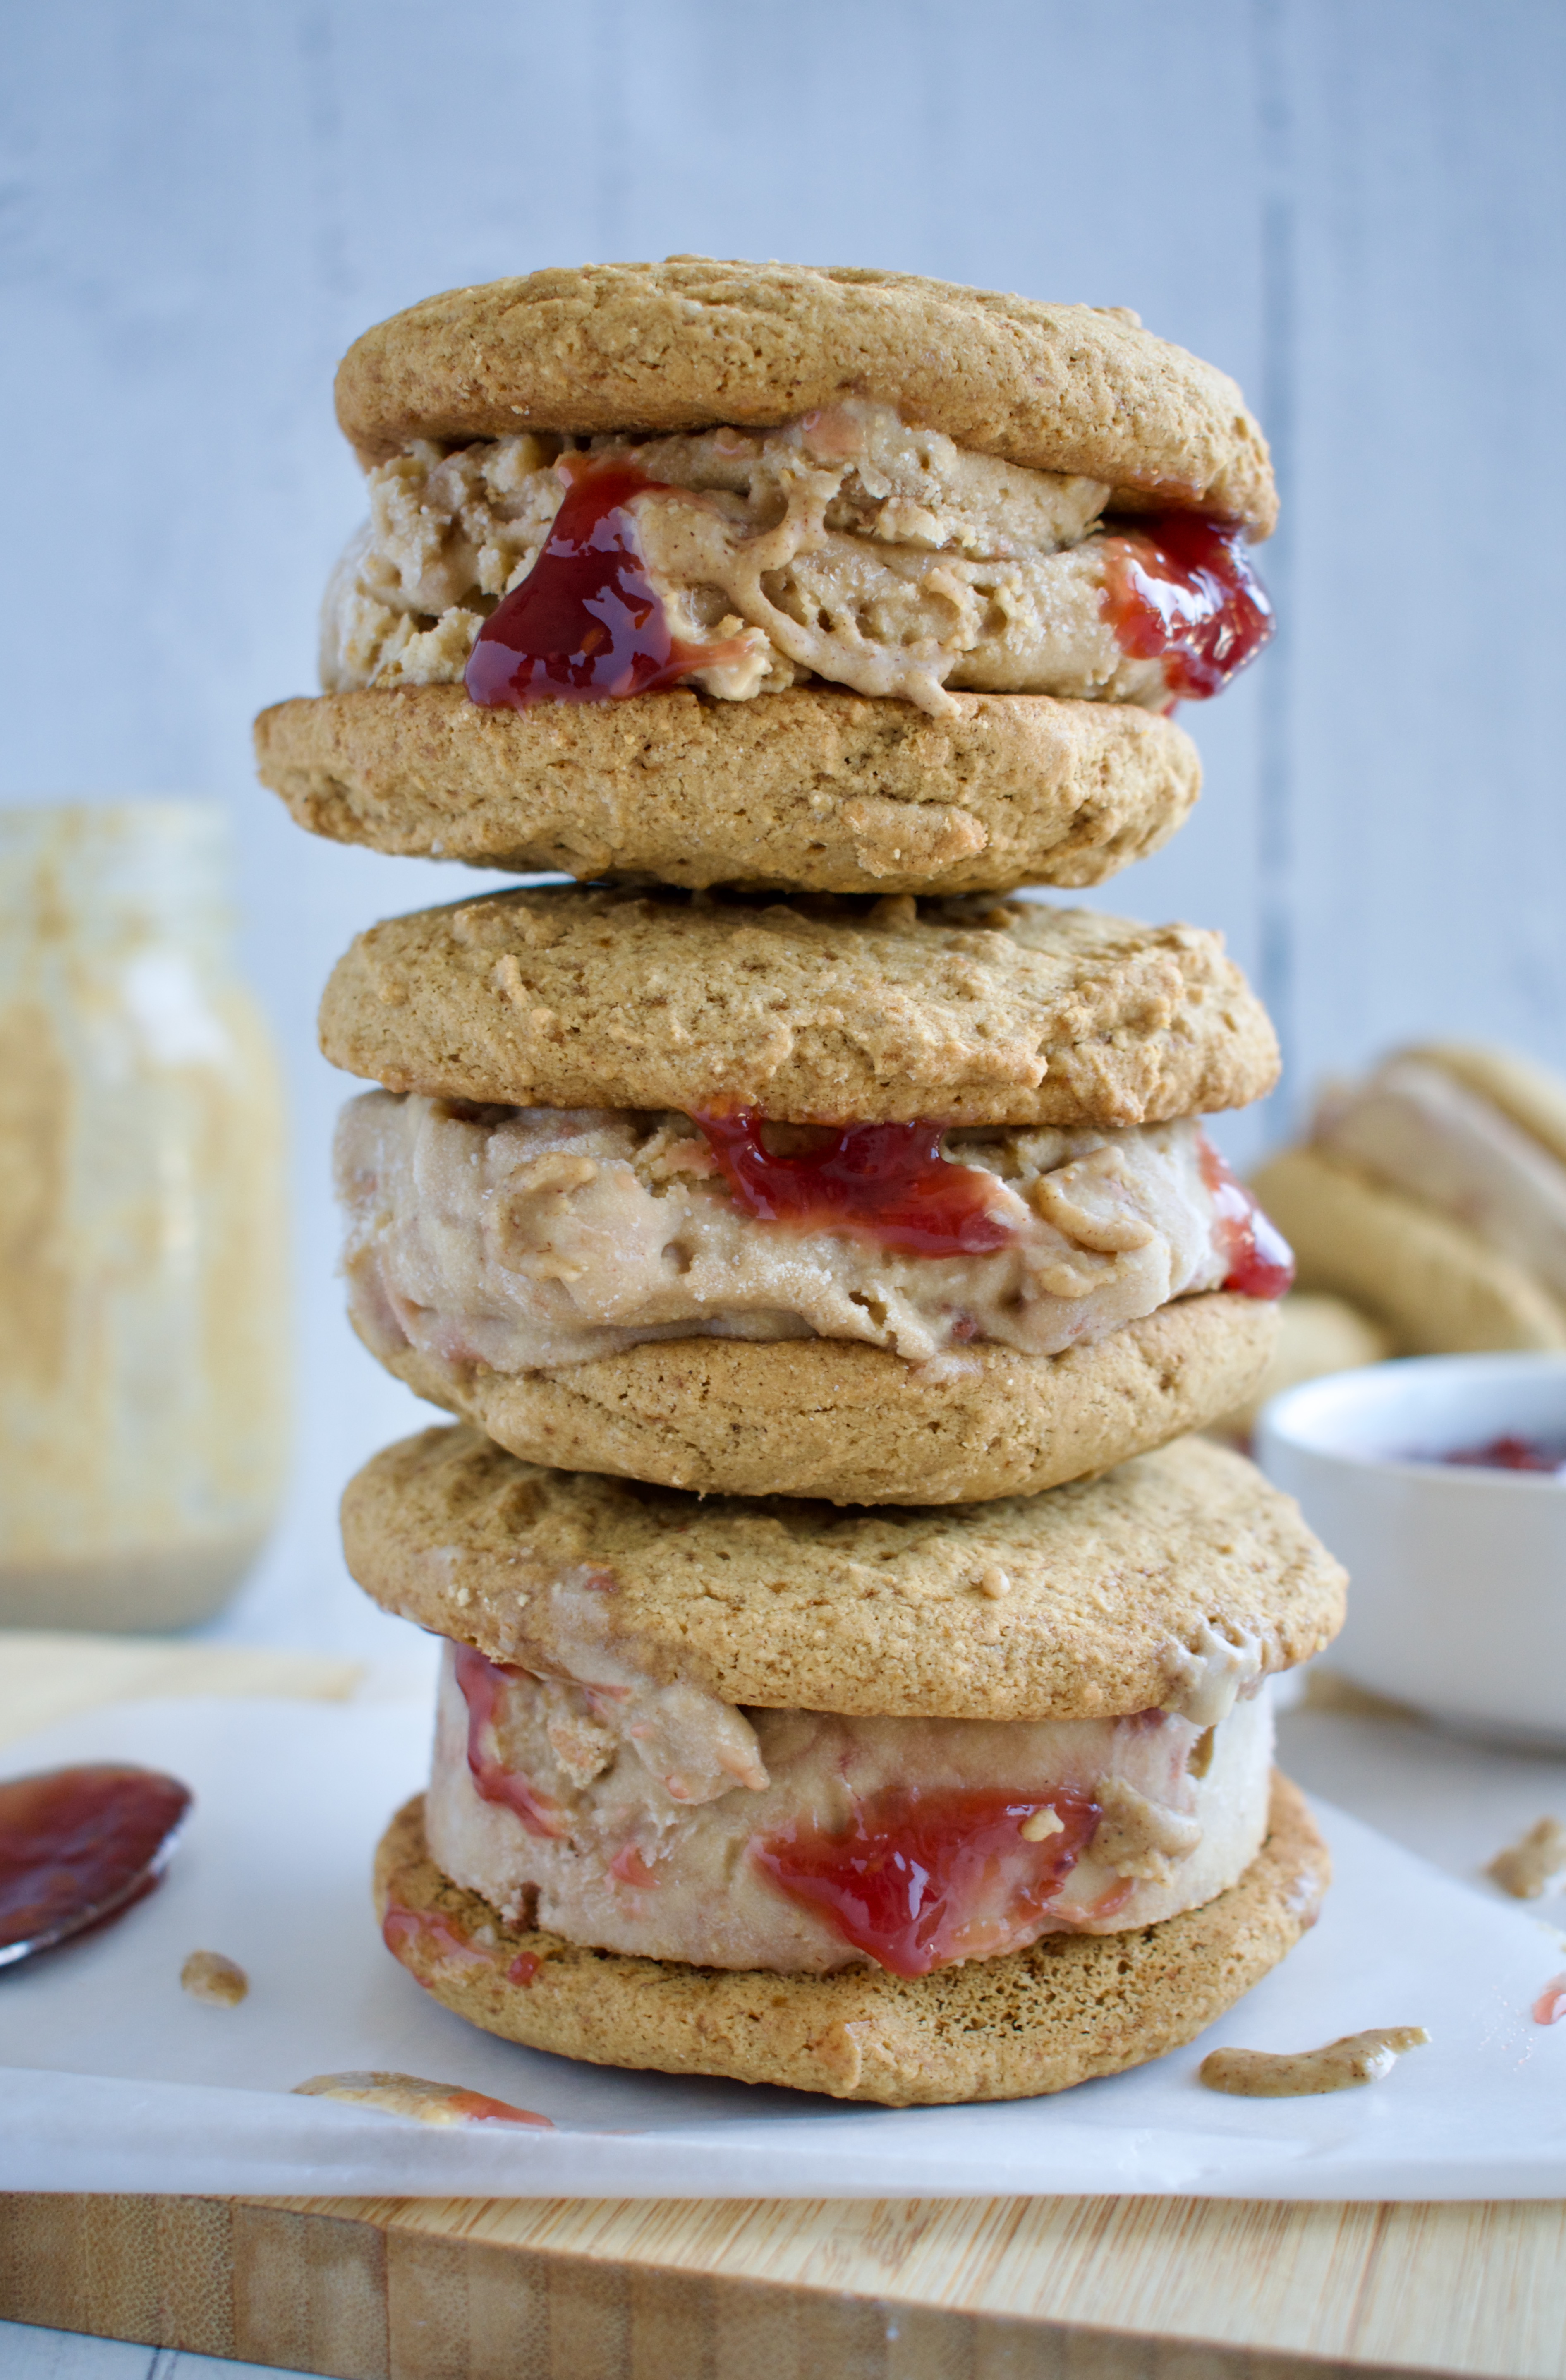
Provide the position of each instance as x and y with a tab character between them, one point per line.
951	2290
1003	2289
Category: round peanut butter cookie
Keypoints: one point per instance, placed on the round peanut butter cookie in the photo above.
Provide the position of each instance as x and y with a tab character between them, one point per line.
1116	1595
855	1424
1317	1333
825	791
1038	2020
1439	1288
1533	1096
697	341
809	1011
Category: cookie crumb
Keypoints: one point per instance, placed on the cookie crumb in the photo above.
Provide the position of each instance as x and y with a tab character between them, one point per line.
1536	1865
1042	1825
993	1581
208	1975
1358	2058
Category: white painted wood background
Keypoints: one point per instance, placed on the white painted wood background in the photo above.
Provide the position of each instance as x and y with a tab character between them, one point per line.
1356	206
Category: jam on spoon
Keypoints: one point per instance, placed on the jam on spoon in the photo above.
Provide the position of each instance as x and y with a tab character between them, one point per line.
585	624
78	1846
917	1880
1179	590
883	1182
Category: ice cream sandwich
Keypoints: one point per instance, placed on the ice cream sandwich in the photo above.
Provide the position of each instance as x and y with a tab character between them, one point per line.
1433	1194
871	1202
757	573
911	1806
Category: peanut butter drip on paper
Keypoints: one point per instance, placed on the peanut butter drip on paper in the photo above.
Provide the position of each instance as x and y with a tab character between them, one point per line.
1358	2058
1536	1865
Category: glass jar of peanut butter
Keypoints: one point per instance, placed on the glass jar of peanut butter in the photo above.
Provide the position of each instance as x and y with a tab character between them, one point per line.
144	1310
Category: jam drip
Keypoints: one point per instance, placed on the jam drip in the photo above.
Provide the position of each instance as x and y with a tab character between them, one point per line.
1260	1261
1181	590
882	1182
483	1683
1551	2005
585	624
917	1880
79	1845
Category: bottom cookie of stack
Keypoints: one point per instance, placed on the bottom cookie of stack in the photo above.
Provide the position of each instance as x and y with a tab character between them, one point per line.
1064	2009
910	1805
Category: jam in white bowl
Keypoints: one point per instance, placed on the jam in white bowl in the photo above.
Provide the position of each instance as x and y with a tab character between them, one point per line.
1433	1480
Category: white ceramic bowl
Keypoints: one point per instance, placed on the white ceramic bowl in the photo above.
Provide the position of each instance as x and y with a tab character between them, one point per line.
1457	1598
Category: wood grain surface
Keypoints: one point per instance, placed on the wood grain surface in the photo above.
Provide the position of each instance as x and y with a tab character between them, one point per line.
1105	2288
959	2289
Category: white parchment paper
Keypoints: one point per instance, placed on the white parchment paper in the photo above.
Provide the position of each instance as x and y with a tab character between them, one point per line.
112	2077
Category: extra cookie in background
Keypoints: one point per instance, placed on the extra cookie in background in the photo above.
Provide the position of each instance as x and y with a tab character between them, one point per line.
592	1210
894	579
673	1734
1432	1195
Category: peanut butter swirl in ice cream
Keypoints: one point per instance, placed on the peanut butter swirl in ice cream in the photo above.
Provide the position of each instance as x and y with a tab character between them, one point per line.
844	546
658	1820
526	1238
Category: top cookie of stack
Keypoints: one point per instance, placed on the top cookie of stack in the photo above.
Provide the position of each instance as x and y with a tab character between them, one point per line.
897	580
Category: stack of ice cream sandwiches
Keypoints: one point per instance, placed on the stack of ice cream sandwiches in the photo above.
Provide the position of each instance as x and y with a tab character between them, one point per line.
854	1667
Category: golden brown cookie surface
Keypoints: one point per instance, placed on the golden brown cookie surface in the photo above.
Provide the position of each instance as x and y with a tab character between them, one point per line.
1091	1601
1072	2006
1437	1286
854	1424
812	788
834	1010
697	341
1534	1096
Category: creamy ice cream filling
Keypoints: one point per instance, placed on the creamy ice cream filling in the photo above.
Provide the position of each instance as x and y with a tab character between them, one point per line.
1413	1126
655	1820
844	546
521	1239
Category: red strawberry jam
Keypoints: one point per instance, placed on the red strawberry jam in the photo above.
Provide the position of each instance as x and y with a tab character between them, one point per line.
1179	590
916	1880
1510	1452
882	1182
482	1683
585	624
1261	1263
429	1933
79	1845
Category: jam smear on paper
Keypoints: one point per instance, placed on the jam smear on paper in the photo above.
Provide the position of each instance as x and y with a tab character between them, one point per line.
882	1182
410	2094
585	624
1179	589
1551	2005
79	1845
482	1683
916	1880
1260	1261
